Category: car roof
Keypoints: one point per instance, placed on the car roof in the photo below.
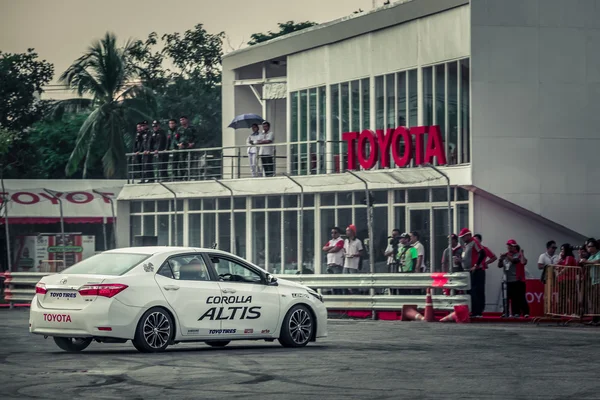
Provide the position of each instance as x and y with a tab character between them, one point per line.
162	249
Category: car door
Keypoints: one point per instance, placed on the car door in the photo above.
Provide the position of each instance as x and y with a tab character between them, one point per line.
187	283
247	304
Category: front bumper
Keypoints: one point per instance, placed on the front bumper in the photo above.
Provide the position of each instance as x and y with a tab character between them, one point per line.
102	312
321	313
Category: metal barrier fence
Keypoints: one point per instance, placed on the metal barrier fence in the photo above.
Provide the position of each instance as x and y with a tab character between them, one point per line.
572	291
20	287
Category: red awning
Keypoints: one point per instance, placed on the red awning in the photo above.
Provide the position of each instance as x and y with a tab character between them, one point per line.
53	220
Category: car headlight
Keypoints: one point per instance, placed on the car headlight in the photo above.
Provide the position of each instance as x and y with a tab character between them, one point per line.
316	295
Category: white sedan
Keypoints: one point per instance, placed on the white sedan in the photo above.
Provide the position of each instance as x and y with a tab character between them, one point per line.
158	296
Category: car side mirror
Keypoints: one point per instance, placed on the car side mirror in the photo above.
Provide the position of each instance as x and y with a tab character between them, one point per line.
271	280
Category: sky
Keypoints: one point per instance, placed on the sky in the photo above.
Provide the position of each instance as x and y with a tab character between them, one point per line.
60	30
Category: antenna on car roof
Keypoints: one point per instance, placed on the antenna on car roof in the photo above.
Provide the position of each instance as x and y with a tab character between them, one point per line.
214	246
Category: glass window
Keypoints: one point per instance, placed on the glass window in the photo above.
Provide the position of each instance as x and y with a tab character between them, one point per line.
400	218
290	200
390	103
428	96
401	98
362	226
322	113
309	200
379	103
224	241
274	231
462	211
335	114
418	195
380	196
308	242
462	194
232	271
179	205
381	232
163	230
188	268
440	99
258	238
258	202
413	98
328	199
179	232
327	223
312	101
224	203
399	196
113	264
452	113
344	218
366	103
440	194
163	205
440	236
209	204
240	234
209	230
294	116
302	115
355	88
274	201
420	222
290	241
345	99
136	226
239	203
465	112
195	230
149	225
135	207
344	198
149	206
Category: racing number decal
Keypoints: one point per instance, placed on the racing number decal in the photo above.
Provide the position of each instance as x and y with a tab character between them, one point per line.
231	312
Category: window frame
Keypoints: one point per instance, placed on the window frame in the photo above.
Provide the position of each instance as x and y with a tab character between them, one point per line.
244	264
214	277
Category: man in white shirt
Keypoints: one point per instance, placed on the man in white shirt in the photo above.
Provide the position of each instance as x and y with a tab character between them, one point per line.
266	152
549	257
335	254
352	251
414	240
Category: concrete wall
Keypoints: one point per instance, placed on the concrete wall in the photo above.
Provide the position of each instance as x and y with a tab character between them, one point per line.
535	85
433	39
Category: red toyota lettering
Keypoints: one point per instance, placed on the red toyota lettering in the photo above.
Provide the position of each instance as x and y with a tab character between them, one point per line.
404	160
25	198
351	137
367	136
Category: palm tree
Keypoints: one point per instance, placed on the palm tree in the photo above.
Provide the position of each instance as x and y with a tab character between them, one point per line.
106	76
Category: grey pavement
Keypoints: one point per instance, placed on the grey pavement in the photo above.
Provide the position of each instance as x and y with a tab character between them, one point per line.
359	360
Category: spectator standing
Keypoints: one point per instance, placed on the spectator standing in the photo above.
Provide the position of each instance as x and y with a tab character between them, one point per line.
592	259
414	241
547	258
188	137
265	150
455	259
335	254
352	251
159	145
490	258
173	140
408	256
137	149
566	278
252	151
473	259
148	156
392	250
513	262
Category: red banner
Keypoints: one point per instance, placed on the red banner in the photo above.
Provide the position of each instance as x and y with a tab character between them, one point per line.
535	297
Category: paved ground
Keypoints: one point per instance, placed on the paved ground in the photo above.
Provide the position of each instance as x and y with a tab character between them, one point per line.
360	360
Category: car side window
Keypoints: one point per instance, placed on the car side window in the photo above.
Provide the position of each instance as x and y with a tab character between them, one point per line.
185	268
232	271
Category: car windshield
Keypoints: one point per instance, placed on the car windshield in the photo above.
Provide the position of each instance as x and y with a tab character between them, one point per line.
107	264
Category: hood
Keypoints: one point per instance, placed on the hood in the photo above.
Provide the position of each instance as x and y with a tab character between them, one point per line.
285	283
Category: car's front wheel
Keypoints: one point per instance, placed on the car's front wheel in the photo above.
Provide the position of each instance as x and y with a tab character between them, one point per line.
297	327
218	343
154	331
72	345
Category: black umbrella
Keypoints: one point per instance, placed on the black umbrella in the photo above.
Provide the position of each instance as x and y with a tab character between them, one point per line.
246	121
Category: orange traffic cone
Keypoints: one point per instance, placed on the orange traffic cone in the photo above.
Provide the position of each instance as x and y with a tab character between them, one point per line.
459	315
410	313
429	317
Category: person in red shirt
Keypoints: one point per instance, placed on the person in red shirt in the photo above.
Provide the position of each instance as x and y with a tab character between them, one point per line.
473	259
566	279
490	257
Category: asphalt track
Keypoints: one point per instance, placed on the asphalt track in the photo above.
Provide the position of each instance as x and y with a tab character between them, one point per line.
359	360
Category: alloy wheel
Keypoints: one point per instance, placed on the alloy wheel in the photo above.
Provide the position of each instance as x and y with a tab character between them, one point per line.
300	326
157	330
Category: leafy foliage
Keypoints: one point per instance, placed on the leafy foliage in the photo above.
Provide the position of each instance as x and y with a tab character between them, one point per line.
284	29
191	86
107	75
22	77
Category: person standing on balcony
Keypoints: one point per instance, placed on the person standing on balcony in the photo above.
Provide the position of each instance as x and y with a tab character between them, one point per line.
159	144
148	156
136	164
252	151
187	139
173	140
265	150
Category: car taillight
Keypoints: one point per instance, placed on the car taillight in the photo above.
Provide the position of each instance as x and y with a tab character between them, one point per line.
40	288
103	289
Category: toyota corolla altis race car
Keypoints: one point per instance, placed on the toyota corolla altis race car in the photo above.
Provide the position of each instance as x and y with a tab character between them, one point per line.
158	296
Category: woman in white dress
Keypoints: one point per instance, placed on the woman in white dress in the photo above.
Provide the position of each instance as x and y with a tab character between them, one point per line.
253	151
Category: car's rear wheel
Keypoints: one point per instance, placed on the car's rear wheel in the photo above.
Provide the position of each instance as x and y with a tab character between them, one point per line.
297	327
154	331
72	345
218	343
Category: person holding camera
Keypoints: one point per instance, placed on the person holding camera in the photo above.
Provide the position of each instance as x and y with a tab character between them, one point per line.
392	250
455	259
513	262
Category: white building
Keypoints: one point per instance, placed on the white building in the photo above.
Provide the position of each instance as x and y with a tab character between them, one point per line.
510	83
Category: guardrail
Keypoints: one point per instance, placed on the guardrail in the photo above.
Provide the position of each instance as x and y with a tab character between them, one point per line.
20	287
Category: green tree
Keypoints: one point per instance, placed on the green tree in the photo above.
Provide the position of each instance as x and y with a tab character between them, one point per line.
191	86
107	76
22	77
284	29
